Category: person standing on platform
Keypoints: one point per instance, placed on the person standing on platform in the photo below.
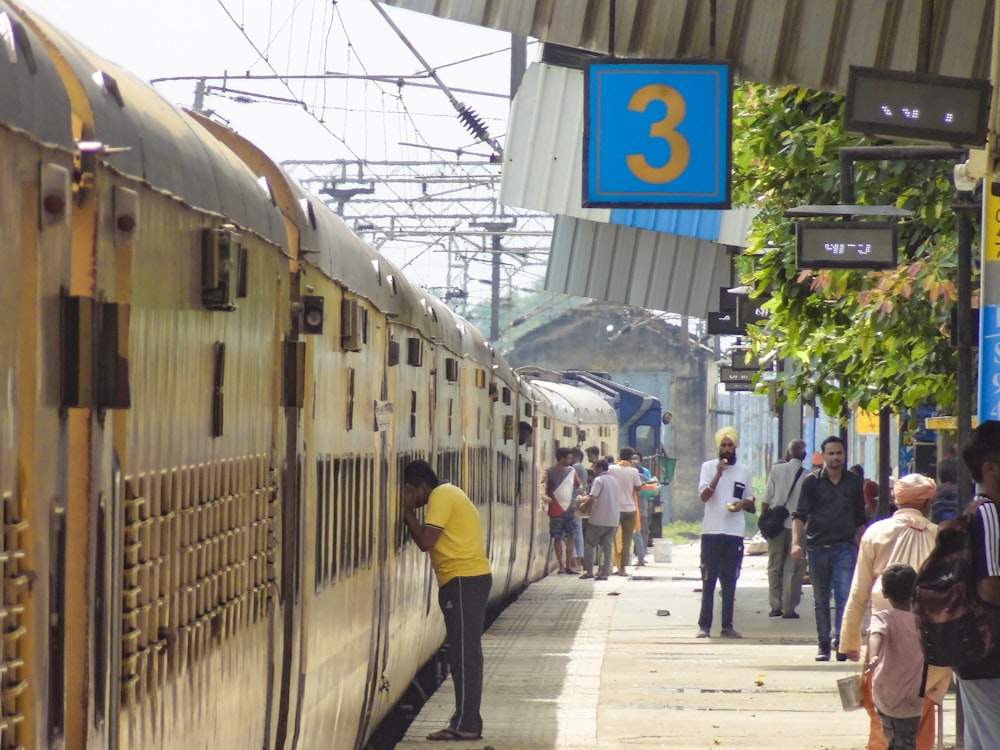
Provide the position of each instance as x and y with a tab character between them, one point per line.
561	483
629	480
604	505
650	488
979	682
896	660
784	575
829	520
905	537
453	535
583	482
726	492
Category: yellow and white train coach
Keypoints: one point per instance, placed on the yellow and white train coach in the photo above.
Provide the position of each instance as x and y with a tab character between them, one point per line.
210	388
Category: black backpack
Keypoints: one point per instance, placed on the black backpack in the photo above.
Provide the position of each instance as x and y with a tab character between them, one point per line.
956	626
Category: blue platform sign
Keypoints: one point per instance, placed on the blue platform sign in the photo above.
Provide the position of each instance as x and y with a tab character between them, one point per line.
657	135
989	363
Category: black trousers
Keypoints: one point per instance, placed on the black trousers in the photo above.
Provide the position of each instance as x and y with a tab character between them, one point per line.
463	603
721	558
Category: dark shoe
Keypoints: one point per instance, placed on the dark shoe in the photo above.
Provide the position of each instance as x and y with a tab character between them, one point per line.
730	633
790	616
601	578
702	633
836	650
823	654
841	657
774	613
587	575
641	563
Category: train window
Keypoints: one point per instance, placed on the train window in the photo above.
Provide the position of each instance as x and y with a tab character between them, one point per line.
451	369
364	325
506	396
480	378
413	413
243	267
350	398
392	353
568	432
508	427
527	410
546	423
645	439
218	388
414	352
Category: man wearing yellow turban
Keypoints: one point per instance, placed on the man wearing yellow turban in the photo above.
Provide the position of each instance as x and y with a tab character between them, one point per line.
726	492
905	537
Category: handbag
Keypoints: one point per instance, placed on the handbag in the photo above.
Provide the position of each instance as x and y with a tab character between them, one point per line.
772	521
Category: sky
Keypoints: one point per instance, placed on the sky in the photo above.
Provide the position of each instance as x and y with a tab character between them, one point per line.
303	117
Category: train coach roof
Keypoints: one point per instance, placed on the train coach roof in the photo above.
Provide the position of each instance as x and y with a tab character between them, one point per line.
158	143
32	95
580	405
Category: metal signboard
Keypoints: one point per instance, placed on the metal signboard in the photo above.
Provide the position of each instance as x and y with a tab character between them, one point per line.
733	386
657	135
723	324
743	360
917	106
731	375
846	244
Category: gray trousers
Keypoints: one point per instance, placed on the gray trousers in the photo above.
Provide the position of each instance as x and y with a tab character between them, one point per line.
784	575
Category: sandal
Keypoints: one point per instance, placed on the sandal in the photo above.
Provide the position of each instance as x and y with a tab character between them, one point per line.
453	735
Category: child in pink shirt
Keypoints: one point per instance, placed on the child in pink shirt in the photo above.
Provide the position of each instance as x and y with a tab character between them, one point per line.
896	660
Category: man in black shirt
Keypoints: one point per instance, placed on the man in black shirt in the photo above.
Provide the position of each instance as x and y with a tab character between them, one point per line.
831	512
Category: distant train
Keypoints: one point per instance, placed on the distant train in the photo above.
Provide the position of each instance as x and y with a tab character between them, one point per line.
209	389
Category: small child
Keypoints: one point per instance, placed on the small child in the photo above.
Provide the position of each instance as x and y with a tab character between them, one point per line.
896	660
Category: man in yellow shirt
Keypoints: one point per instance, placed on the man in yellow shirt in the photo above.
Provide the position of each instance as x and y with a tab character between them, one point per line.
453	535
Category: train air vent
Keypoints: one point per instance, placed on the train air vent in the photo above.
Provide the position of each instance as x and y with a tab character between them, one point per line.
350	325
219	253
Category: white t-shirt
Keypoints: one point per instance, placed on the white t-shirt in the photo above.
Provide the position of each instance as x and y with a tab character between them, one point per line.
607	501
629	479
718	519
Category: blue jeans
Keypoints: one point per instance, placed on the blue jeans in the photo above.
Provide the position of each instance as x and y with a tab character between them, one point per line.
831	568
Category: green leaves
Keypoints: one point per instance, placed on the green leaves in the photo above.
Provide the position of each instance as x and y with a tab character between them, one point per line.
861	337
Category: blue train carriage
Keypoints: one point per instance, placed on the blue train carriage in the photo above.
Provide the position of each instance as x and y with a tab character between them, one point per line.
639	413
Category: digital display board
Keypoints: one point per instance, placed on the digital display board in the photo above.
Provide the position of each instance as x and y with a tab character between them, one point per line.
845	244
918	106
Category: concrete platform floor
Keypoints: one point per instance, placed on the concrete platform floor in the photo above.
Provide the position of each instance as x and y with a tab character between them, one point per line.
579	665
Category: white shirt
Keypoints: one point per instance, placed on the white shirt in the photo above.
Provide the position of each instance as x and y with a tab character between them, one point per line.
718	519
628	479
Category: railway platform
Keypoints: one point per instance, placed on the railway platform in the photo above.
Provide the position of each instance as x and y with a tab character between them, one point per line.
580	665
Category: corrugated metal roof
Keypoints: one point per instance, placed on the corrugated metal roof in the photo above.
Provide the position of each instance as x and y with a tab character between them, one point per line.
543	163
806	42
636	267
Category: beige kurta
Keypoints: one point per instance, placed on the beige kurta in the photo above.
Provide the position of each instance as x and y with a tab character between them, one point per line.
905	537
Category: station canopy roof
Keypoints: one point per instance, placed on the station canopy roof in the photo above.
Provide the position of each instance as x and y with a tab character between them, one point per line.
675	260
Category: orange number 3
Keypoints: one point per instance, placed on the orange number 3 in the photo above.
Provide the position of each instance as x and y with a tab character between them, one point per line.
680	151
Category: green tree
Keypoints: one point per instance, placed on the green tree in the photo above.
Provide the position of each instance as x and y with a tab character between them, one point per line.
868	338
